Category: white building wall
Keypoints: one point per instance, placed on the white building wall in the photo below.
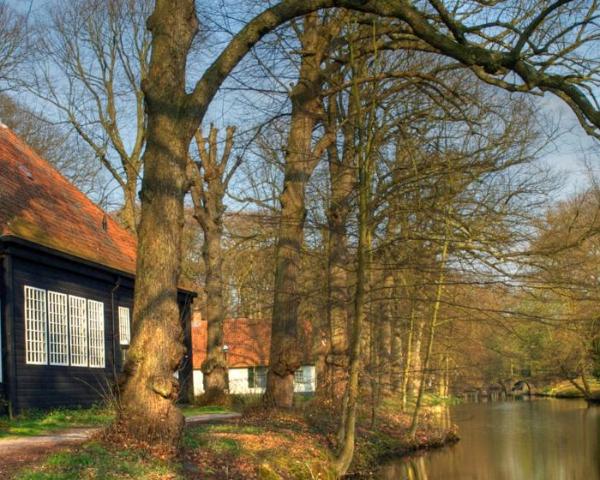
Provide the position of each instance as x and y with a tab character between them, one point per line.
238	382
309	378
198	379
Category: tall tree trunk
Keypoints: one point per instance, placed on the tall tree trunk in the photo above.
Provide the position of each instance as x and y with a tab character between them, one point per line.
300	161
147	409
341	175
348	427
214	368
366	134
407	372
209	181
415	377
397	357
430	337
385	372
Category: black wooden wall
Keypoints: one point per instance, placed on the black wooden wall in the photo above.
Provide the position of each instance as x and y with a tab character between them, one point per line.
46	386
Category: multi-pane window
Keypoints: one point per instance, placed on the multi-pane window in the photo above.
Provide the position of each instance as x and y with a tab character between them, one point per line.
257	377
78	331
299	376
36	341
63	329
124	326
96	333
58	323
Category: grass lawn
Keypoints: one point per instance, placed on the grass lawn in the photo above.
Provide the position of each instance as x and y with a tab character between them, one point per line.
191	410
98	461
263	446
38	422
267	446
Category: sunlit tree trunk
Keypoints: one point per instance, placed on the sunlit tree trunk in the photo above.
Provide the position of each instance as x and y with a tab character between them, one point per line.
147	409
408	358
430	337
300	161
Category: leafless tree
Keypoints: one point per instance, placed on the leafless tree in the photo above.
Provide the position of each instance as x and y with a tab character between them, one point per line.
13	46
91	61
210	177
174	115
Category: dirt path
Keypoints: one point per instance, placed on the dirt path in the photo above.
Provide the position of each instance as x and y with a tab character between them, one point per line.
18	452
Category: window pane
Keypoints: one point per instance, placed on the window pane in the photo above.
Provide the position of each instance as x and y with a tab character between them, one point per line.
124	326
250	377
36	345
299	376
96	333
78	331
58	328
261	377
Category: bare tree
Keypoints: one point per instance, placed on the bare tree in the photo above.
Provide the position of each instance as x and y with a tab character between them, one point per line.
174	115
210	177
92	59
13	47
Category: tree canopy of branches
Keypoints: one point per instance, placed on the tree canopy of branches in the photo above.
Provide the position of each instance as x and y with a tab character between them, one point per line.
531	47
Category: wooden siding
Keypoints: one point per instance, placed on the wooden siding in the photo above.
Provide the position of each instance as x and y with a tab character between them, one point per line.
45	386
42	386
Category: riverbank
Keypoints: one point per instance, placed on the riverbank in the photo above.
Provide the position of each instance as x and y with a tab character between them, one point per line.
566	389
260	445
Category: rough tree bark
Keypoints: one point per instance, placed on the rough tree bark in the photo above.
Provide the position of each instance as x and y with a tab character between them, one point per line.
147	411
300	161
342	181
147	408
209	181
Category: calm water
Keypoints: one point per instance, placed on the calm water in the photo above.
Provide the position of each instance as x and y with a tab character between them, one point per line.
545	439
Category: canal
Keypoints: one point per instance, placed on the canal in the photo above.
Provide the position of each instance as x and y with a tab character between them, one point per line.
537	439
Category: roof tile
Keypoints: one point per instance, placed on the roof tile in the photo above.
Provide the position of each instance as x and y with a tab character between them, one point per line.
38	204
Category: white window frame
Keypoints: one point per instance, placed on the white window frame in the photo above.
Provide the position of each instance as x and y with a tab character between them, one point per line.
97	357
299	376
124	326
36	326
78	331
58	328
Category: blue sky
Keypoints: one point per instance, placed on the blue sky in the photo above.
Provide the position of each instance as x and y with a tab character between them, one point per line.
567	154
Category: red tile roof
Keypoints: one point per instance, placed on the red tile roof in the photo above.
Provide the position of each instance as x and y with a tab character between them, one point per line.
38	204
248	341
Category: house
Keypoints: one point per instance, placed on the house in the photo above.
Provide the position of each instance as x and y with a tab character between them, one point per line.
66	287
246	345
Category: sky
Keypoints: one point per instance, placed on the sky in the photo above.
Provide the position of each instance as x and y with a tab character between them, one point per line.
566	155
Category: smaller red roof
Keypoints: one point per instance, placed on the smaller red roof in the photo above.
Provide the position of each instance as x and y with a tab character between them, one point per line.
38	204
248	341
